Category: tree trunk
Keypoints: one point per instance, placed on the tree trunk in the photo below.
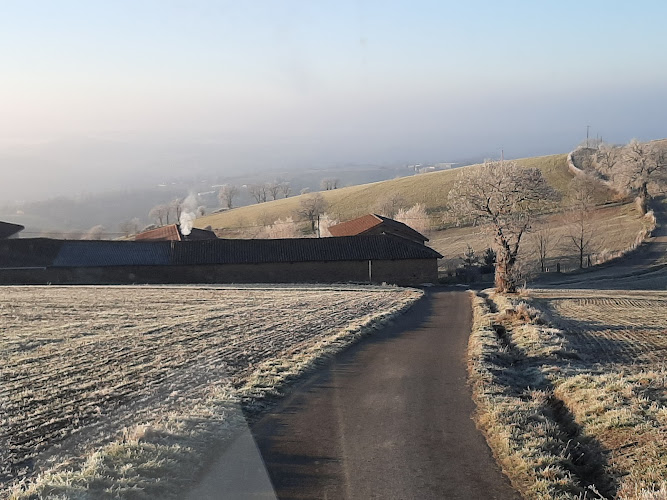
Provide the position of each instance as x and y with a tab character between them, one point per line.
642	198
504	280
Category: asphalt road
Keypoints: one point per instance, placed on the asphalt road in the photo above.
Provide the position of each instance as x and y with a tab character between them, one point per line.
389	418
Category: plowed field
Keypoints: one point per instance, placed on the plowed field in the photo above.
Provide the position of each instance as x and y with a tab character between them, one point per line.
611	326
78	364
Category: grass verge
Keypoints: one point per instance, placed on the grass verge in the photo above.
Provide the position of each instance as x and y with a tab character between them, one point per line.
560	425
530	431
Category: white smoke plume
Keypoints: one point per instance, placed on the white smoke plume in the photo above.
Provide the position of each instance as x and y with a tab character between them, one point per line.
188	214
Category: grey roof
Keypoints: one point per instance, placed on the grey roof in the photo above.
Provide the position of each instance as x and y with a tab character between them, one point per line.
43	252
32	252
113	253
375	247
8	229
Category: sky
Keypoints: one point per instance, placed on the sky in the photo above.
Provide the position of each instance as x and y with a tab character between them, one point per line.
95	93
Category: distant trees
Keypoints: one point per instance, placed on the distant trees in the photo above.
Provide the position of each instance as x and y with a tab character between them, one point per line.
390	205
311	208
416	217
273	188
176	205
329	183
285	189
94	233
160	214
258	192
282	228
227	194
129	227
506	197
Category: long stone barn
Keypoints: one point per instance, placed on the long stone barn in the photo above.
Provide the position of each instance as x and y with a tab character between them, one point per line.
353	259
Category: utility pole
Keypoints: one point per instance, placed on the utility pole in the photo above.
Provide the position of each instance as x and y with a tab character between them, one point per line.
587	129
502	156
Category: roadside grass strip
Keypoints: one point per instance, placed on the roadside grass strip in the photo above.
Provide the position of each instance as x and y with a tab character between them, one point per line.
532	434
565	418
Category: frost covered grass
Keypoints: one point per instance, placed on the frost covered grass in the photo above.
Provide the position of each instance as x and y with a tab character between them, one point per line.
577	409
128	391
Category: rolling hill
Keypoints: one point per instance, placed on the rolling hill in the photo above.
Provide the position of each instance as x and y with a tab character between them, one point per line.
346	203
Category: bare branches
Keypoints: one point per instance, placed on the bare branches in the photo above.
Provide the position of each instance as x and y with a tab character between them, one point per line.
311	207
505	196
227	194
329	183
258	192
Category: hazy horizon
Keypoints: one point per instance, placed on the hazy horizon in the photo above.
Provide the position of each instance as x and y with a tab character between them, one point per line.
98	96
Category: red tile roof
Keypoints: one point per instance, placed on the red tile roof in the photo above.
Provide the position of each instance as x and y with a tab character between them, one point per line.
164	233
355	226
366	223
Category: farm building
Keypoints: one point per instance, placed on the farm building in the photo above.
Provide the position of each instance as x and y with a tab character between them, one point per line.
9	230
376	224
360	259
172	232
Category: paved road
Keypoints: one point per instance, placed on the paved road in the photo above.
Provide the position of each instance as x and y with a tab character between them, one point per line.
389	418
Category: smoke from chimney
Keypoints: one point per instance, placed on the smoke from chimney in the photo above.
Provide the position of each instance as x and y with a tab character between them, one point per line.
188	214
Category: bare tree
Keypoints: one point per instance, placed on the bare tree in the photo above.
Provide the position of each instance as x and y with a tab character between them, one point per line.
130	227
582	234
506	197
258	192
643	164
227	194
273	188
329	183
285	189
311	208
416	217
544	242
282	228
390	205
326	221
94	233
606	157
177	206
159	213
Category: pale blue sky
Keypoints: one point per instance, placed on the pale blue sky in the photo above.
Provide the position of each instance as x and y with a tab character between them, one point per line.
311	81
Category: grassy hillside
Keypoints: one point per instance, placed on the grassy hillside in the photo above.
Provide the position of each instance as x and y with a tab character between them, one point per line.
346	203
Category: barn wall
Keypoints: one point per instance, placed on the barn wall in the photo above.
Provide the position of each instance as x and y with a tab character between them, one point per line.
400	272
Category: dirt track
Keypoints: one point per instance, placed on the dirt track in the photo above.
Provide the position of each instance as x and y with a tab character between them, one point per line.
389	418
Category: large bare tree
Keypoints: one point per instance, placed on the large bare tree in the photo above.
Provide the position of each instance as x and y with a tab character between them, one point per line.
312	207
227	194
643	164
505	198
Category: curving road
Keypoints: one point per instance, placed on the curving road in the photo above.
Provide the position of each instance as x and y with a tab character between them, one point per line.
389	418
